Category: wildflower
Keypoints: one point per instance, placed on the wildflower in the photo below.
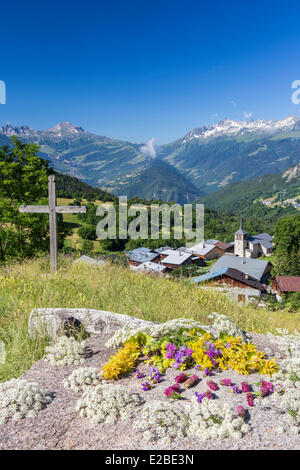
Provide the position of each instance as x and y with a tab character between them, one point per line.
173	391
139	375
212	351
121	362
156	378
170	351
146	386
226	382
267	385
199	396
241	411
181	378
212	385
154	375
250	399
236	389
228	345
245	387
188	352
191	381
208	372
208	395
266	388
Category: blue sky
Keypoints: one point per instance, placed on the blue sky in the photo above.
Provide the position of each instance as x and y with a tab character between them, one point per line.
139	69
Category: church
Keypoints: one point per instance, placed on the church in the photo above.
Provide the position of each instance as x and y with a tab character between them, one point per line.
246	246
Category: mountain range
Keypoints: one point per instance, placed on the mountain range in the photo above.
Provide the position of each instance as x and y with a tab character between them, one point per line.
240	195
203	161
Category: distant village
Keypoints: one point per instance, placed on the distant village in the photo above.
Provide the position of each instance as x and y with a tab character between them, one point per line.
234	268
288	202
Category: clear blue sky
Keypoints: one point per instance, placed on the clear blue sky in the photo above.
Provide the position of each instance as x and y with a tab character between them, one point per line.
139	69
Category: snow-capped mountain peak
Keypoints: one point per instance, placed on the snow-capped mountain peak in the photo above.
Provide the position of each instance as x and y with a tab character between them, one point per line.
229	127
65	128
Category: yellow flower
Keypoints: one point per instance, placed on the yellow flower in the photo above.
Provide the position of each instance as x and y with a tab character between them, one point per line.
121	362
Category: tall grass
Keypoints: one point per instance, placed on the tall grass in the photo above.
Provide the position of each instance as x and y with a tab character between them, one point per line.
28	285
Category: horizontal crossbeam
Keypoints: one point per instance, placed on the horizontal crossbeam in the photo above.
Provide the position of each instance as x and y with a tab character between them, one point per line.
58	209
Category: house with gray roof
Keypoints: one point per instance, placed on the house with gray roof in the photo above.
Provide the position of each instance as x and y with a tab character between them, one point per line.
150	267
205	250
231	277
256	268
173	259
141	255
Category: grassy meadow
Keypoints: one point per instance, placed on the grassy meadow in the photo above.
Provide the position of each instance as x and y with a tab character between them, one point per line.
27	285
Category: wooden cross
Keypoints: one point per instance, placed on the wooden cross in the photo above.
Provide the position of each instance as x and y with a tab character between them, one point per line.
52	209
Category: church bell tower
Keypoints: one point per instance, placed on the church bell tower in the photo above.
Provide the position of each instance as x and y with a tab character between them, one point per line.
240	241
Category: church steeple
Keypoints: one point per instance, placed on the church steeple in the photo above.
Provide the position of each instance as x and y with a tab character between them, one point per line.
241	231
240	241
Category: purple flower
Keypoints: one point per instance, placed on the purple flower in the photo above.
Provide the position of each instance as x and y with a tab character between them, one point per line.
212	351
188	352
139	375
208	372
156	378
146	386
227	345
170	351
236	389
199	396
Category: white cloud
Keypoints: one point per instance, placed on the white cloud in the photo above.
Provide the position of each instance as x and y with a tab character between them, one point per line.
148	148
247	115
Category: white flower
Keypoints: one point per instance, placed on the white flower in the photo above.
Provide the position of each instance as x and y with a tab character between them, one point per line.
83	377
162	421
65	352
108	403
20	398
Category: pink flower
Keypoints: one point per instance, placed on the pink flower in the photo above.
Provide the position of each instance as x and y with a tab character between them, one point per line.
226	382
181	378
188	352
241	411
191	381
245	387
212	385
176	387
266	388
250	399
173	391
208	394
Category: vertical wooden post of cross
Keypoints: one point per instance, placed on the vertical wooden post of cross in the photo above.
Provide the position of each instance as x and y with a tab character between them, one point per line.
52	223
52	209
